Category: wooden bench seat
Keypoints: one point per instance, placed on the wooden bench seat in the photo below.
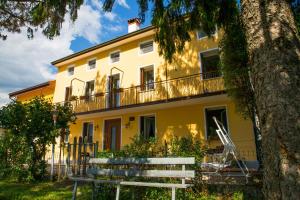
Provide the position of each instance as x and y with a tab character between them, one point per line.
123	170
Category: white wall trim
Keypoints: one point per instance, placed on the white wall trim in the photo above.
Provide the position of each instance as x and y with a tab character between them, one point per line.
109	59
87	64
145	41
216	106
147	115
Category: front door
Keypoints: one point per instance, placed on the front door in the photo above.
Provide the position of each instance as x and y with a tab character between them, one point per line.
112	134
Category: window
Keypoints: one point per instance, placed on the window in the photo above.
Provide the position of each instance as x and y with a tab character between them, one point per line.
92	64
210	62
115	57
68	93
211	127
146	47
147	78
201	34
147	126
88	131
89	88
71	71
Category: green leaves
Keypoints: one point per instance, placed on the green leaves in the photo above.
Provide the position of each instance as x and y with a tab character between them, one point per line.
32	128
45	14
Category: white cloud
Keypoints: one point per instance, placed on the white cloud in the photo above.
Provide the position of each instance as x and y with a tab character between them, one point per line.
123	3
110	16
24	62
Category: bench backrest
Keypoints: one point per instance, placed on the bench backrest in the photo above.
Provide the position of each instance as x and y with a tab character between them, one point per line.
135	167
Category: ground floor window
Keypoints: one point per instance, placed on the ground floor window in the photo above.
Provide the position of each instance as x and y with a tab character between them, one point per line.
147	126
88	131
211	127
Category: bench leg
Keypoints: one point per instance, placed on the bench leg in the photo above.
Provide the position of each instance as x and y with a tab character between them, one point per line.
118	192
173	193
74	191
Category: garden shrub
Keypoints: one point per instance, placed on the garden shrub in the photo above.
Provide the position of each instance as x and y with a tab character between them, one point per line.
141	147
29	130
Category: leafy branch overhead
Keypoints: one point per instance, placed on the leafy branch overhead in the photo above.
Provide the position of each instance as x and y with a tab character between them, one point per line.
33	14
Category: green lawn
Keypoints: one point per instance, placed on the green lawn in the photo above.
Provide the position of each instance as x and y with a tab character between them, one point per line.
41	191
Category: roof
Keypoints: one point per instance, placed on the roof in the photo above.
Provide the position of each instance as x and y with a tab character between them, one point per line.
41	85
103	44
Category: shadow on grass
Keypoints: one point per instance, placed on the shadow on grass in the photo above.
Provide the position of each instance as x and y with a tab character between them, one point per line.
41	191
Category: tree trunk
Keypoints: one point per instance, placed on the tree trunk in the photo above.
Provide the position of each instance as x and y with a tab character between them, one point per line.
274	55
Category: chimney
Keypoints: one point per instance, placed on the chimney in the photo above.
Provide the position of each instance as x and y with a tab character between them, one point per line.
133	24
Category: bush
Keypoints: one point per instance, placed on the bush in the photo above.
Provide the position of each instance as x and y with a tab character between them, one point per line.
140	147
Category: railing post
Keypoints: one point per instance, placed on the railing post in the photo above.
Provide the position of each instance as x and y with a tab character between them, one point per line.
68	159
136	95
79	156
96	149
74	155
84	156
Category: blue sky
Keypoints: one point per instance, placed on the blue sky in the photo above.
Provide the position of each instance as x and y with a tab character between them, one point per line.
24	62
123	14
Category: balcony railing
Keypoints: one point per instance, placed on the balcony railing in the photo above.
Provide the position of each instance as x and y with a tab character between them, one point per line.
186	87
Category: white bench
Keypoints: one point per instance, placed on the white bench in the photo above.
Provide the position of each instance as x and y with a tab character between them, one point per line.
124	168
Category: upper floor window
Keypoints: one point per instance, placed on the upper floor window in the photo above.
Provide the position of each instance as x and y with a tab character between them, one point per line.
146	47
89	88
201	34
211	127
147	78
210	62
71	71
115	57
91	64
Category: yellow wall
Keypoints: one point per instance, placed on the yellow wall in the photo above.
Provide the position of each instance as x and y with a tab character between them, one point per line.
47	92
179	121
130	63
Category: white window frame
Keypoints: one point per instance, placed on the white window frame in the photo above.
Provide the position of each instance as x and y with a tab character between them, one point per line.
140	53
71	66
221	106
205	37
82	125
147	115
200	60
139	74
85	84
110	61
88	66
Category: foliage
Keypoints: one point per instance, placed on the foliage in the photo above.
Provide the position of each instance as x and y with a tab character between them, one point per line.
235	68
33	14
30	128
141	147
296	11
186	147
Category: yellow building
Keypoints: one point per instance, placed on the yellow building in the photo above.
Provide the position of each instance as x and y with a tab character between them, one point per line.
44	89
122	87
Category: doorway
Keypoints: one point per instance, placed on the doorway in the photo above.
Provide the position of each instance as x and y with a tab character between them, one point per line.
112	135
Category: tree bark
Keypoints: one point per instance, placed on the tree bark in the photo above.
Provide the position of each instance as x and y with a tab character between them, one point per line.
274	55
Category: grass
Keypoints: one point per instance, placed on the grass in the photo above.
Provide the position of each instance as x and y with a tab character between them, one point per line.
41	191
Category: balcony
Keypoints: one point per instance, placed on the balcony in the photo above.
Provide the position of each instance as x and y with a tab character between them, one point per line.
181	88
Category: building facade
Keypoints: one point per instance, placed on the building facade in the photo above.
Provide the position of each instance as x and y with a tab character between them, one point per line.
123	87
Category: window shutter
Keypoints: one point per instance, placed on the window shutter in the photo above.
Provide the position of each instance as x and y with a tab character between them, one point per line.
67	92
